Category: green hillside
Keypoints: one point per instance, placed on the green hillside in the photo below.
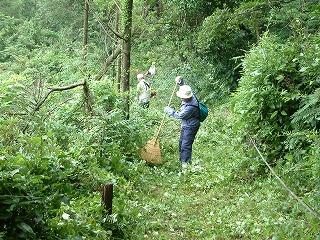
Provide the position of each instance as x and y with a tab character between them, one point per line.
70	121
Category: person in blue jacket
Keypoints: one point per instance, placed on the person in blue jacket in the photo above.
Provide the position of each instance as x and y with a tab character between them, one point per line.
189	116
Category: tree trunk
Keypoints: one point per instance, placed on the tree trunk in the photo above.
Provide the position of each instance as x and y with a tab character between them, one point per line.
126	55
119	72
117	28
85	33
86	90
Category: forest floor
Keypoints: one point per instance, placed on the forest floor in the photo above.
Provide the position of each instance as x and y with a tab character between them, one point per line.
212	200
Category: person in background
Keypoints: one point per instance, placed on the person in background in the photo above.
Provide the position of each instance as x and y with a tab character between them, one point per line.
152	70
189	116
150	75
143	91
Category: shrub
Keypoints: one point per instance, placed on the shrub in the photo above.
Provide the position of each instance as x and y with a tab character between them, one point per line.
266	97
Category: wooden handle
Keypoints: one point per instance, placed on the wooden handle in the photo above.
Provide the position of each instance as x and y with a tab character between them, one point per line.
164	115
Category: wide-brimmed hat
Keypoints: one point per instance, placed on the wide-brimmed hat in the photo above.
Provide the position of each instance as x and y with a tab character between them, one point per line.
185	92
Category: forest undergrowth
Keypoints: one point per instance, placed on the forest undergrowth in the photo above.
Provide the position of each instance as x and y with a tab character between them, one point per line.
70	123
217	197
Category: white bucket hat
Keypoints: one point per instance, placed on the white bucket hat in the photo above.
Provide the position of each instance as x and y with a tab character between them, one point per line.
140	76
185	92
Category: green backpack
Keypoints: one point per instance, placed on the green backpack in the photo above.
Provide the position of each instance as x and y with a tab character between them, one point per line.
203	110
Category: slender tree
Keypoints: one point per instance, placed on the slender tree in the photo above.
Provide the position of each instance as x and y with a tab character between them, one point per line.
126	47
117	27
85	32
86	90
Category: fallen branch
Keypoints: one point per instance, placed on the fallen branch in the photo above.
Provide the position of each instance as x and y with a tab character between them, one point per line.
13	114
108	62
110	28
56	89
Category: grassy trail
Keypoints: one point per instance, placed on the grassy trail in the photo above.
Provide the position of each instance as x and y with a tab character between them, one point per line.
210	200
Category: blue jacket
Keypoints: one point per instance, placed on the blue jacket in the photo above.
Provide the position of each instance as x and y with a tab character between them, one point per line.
189	113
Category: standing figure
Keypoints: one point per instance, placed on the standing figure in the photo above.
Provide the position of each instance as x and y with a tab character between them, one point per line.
189	116
143	91
152	70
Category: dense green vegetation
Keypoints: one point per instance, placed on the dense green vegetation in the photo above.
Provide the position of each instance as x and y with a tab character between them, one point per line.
63	131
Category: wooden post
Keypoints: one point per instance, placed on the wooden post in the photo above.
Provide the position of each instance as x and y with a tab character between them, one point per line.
107	195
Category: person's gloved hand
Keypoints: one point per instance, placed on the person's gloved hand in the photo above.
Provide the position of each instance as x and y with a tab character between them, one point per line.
168	110
178	79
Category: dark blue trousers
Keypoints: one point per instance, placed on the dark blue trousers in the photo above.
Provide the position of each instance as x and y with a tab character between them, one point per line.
187	137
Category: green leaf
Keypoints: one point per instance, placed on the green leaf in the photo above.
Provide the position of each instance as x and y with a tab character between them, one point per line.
12	173
283	113
280	77
273	114
303	69
255	73
25	228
